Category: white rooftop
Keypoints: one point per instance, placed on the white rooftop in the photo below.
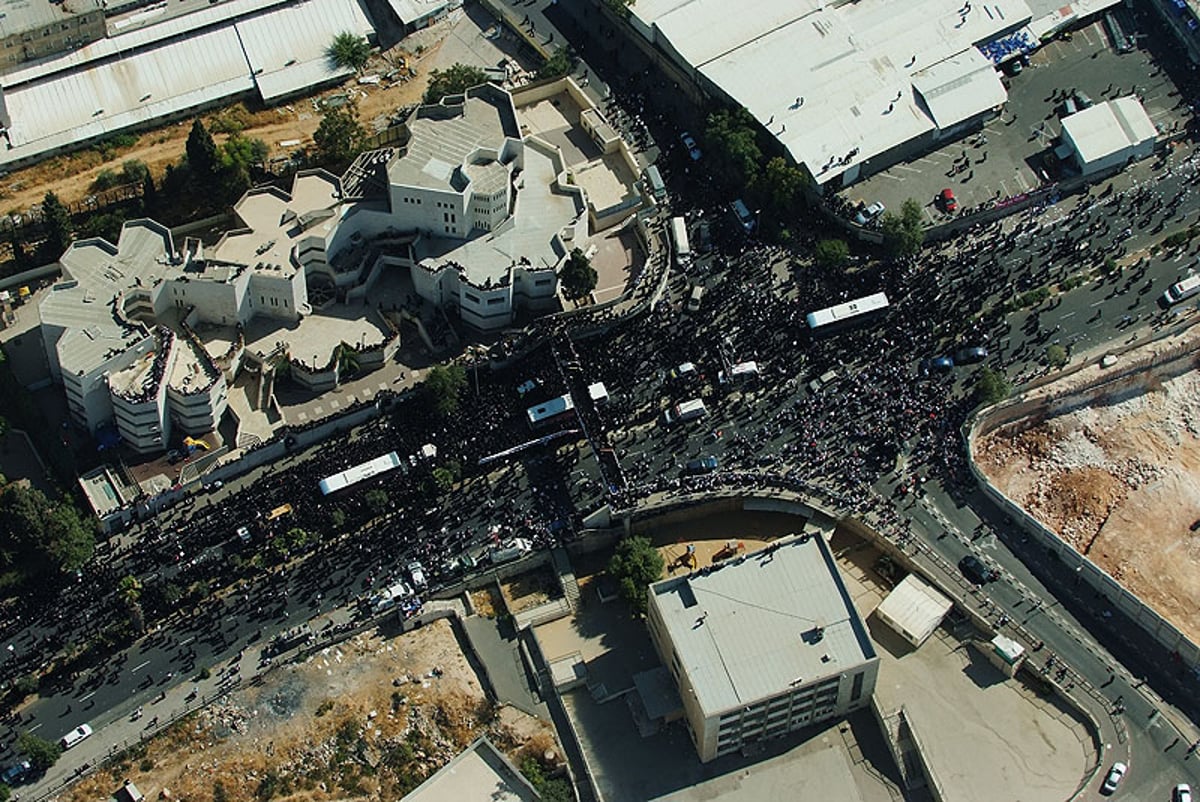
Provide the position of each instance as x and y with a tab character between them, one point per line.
1108	128
480	772
444	136
914	606
855	66
275	221
410	11
759	624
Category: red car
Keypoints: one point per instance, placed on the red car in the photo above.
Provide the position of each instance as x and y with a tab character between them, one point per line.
948	201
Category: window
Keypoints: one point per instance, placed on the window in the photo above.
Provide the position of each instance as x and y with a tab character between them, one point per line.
494	301
857	686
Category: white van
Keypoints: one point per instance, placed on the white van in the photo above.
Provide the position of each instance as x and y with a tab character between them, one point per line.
679	237
693	302
80	733
688	410
654	182
742	371
1181	290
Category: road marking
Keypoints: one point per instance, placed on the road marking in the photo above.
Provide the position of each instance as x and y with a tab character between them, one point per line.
893	177
34	727
89	696
134	670
905	167
187	641
1068	314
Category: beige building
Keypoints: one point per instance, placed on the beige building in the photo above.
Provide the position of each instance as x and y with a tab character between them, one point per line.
762	645
38	28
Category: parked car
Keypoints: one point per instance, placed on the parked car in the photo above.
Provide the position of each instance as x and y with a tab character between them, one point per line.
1115	775
868	214
948	202
970	355
417	572
692	148
705	464
939	364
72	738
18	772
1181	793
975	570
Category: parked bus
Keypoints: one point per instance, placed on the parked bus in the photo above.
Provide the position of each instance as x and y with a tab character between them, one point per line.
856	311
555	409
679	237
1181	290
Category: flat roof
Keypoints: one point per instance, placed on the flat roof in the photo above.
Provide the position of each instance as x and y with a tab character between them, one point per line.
915	606
275	221
19	16
835	83
479	772
1108	128
104	491
754	626
410	11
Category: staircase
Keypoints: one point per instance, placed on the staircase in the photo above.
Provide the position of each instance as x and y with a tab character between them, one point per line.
904	750
566	577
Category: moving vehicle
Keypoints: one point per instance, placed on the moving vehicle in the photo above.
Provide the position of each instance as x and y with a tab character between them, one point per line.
1181	290
970	355
868	214
693	302
843	314
686	411
1181	793
679	238
72	738
975	570
705	464
948	202
1115	775
692	148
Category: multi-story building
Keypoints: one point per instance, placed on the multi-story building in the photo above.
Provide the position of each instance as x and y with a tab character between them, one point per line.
34	29
476	214
762	645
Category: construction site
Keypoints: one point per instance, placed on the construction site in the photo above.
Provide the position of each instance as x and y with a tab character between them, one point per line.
1108	459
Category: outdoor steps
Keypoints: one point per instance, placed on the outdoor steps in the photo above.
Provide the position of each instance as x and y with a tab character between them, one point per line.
566	577
904	750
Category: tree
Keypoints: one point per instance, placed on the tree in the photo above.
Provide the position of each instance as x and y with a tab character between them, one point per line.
447	474
376	500
1056	356
201	152
340	135
732	139
635	564
904	233
442	387
42	754
558	65
349	51
59	231
781	186
831	253
991	387
130	591
620	7
454	80
577	277
37	532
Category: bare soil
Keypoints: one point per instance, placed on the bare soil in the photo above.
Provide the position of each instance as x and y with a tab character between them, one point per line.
1120	481
371	719
527	591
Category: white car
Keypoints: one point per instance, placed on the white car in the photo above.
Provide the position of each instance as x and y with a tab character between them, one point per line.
1182	793
692	148
417	572
76	735
1115	775
870	213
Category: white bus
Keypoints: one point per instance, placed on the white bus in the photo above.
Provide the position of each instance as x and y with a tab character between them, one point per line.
544	414
833	317
1181	290
683	251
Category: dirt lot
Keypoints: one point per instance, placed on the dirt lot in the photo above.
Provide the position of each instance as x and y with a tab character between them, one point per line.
527	591
1120	481
368	719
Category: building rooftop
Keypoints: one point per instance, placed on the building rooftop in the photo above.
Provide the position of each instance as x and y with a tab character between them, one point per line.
18	16
105	491
915	606
1108	127
275	221
837	84
761	623
444	136
479	772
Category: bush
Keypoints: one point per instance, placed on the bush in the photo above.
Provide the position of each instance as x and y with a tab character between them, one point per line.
991	387
42	754
634	565
1056	356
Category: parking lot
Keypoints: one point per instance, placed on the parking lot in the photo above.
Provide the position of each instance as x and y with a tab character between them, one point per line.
1005	158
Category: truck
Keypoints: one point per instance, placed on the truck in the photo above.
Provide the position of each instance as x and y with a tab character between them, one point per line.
679	238
685	411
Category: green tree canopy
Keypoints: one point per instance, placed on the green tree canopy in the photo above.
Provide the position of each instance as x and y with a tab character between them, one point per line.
732	140
377	500
991	387
577	277
454	80
442	387
904	233
1056	355
35	531
42	754
781	187
339	137
831	253
59	231
349	50
635	564
201	152
558	65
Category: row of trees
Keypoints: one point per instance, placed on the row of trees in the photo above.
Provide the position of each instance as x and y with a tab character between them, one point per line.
38	534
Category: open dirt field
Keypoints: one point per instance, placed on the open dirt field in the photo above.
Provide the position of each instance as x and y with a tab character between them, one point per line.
367	719
1121	483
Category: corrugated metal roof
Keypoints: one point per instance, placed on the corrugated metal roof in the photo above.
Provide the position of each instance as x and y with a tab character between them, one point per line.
745	630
